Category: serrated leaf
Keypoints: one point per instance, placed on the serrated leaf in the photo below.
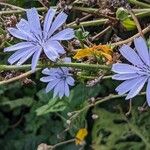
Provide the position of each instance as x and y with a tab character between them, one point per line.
26	101
113	130
54	105
43	96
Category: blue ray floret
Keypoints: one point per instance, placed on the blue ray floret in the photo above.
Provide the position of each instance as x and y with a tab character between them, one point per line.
37	39
59	80
136	74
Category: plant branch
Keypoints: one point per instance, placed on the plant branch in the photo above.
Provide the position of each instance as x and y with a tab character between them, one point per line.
138	3
17	77
89	23
51	147
144	31
101	100
73	65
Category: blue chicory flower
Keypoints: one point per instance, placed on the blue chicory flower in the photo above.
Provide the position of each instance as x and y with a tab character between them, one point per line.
136	74
37	39
59	80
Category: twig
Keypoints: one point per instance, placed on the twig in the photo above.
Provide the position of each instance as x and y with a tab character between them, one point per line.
135	19
94	77
89	23
9	12
101	33
81	19
40	1
101	100
12	6
130	108
17	78
51	147
138	3
144	31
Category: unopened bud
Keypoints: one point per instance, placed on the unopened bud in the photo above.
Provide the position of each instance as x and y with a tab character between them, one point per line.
94	116
68	122
69	114
92	99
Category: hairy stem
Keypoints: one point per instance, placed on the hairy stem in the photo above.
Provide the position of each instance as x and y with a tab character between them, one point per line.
138	3
73	65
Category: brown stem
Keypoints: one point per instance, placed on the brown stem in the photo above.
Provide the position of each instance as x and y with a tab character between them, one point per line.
101	33
144	31
17	78
136	21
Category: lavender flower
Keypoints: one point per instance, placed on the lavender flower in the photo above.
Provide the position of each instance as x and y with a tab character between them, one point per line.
37	40
136	74
59	80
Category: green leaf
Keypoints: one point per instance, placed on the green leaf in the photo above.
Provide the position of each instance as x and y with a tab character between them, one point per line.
129	24
4	125
123	16
121	13
43	96
54	105
113	130
81	35
26	101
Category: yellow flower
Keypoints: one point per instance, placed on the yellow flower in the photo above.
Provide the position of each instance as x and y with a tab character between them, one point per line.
99	50
80	136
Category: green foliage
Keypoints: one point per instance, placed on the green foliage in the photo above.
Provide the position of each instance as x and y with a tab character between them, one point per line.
114	131
26	101
81	35
123	16
29	116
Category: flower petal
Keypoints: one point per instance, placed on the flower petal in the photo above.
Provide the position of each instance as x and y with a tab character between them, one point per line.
48	21
24	27
58	88
126	76
65	34
51	85
51	71
67	59
19	46
67	89
148	92
17	33
131	55
35	58
56	46
61	89
126	86
47	79
58	22
50	53
124	68
34	21
142	50
137	87
70	80
17	55
25	57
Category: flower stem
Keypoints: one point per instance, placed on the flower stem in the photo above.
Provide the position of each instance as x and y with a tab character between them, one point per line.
102	100
73	65
24	75
89	23
141	4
